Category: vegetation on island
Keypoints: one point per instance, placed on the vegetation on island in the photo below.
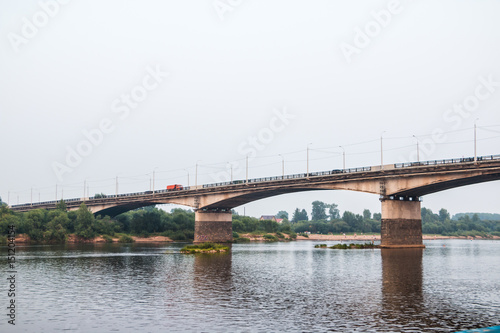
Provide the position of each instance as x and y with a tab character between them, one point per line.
354	246
207	247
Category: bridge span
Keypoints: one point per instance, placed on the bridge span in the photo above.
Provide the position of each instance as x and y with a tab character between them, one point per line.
399	186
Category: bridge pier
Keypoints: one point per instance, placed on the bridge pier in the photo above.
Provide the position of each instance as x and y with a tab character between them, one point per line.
401	224
212	226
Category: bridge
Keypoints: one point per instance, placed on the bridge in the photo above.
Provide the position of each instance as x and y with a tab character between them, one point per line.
400	187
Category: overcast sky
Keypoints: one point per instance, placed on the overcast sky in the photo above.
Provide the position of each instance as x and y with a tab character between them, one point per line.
94	90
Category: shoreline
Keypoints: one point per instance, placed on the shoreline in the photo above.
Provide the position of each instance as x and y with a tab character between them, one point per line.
72	239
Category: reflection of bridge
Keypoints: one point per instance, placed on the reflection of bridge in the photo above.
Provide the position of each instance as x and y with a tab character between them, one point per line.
400	187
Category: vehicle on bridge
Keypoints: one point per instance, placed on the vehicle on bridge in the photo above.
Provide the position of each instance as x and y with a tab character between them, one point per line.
175	187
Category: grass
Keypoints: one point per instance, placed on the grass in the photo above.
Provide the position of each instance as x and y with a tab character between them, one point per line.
207	247
107	238
270	238
354	246
125	239
241	240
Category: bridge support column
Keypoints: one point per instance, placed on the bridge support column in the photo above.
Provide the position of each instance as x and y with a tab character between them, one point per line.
401	224
213	227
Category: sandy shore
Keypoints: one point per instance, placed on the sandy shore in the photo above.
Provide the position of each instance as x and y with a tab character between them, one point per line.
316	237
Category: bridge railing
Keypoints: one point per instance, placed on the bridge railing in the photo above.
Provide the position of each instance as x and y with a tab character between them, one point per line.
267	179
447	161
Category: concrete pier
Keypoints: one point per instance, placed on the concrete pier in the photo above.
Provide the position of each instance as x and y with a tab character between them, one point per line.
401	224
213	227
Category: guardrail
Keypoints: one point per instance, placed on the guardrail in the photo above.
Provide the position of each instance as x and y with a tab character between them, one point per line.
268	179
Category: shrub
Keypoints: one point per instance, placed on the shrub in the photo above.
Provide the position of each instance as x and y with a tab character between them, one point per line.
241	240
293	235
320	246
126	239
280	235
235	235
204	247
303	234
270	238
107	239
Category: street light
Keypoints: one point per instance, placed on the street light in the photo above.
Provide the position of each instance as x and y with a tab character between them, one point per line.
154	180
231	167
475	140
418	150
196	174
308	159
381	151
343	157
187	175
282	166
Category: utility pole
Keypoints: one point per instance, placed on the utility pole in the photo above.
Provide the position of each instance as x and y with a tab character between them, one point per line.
247	170
343	157
56	194
475	140
282	166
418	150
308	159
116	187
196	175
32	196
381	152
84	187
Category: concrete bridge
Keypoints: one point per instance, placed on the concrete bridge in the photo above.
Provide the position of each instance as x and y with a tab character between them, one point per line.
399	186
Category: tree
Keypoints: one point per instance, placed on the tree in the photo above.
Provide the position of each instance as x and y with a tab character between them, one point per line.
304	216
282	215
296	215
61	205
443	215
318	211
377	216
84	222
367	215
333	212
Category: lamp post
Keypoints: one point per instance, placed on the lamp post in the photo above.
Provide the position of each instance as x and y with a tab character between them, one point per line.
154	170
187	175
475	140
382	151
231	167
343	157
282	166
247	170
307	174
418	150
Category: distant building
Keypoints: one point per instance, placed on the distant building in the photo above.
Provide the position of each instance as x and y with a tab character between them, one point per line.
268	217
279	220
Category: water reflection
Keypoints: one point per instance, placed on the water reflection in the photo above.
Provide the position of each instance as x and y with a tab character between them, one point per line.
402	276
213	274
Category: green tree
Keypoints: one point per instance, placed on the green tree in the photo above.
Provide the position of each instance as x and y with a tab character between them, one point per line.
367	215
333	212
443	215
61	205
84	223
318	211
377	216
282	215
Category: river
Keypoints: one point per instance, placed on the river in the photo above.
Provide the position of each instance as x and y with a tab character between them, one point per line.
451	285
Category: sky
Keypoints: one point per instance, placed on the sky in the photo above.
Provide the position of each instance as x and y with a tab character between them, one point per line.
95	94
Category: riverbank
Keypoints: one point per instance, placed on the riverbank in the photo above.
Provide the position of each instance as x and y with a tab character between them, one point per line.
318	237
72	239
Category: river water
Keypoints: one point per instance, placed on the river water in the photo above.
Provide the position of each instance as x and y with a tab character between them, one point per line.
266	287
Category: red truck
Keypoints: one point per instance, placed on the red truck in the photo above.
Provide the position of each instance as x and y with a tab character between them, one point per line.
175	187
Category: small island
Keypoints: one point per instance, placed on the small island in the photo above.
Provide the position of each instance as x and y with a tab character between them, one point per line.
350	246
207	247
